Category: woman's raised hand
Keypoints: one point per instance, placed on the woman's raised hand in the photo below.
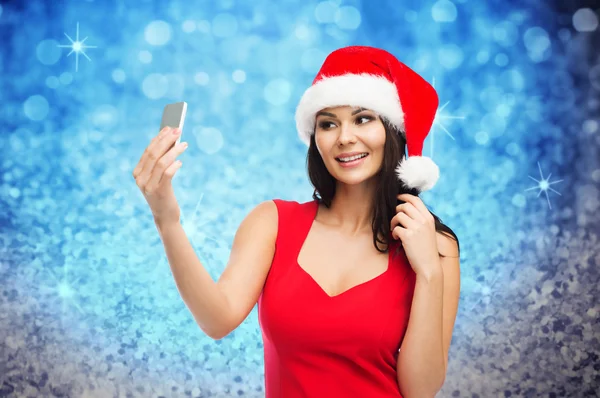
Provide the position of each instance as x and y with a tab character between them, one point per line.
154	172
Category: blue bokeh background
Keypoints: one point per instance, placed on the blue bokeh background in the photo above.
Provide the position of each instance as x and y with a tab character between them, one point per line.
88	304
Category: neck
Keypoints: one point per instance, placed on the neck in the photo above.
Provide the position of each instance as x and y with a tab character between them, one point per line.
351	209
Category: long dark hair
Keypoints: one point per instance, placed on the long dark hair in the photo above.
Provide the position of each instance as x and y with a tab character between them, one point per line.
388	187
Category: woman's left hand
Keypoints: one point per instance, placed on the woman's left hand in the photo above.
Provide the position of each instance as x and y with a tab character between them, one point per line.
414	225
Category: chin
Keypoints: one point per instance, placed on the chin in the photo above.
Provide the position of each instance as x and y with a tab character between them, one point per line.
354	180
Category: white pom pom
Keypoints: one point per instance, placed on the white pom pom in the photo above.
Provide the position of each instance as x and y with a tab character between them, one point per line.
418	172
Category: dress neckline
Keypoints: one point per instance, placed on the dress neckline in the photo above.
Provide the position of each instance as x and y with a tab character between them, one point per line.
314	207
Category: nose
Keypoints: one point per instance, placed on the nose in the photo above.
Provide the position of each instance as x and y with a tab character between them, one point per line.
347	135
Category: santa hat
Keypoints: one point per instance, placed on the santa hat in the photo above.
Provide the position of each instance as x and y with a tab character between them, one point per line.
374	79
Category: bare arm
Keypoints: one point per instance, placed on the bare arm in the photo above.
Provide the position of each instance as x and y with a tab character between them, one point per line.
220	307
250	260
423	359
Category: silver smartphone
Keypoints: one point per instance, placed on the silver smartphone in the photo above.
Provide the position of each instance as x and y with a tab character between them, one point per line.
174	116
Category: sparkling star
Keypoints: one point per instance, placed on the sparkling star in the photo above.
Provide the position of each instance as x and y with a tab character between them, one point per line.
543	185
438	121
64	290
77	47
193	226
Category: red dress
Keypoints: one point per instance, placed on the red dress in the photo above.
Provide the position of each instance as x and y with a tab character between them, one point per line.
316	345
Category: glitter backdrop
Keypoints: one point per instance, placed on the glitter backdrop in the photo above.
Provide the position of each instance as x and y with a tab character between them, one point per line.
88	304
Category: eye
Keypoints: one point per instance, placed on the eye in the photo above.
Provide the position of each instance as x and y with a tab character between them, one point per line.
368	118
324	125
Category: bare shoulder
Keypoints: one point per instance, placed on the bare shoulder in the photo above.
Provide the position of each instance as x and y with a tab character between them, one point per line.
447	245
258	230
261	223
267	212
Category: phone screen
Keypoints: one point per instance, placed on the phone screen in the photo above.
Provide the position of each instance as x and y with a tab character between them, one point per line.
174	116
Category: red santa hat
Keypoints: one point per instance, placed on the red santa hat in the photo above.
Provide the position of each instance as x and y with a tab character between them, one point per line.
374	79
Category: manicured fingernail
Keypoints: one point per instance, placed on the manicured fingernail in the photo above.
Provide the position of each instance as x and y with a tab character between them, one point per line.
175	131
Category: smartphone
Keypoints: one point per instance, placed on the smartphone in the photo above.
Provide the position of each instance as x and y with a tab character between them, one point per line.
174	116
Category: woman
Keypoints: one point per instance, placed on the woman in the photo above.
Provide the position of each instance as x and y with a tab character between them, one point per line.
358	289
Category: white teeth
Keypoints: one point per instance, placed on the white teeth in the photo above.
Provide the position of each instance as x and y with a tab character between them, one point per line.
351	158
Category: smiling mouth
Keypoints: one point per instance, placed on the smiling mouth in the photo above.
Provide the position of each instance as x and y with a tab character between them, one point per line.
352	158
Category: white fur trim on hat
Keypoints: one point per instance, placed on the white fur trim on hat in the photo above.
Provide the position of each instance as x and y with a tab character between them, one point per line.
366	90
418	172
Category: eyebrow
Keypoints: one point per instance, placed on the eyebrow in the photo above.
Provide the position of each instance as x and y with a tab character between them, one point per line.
332	115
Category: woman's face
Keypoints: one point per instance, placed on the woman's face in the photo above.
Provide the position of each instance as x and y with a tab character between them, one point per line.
345	129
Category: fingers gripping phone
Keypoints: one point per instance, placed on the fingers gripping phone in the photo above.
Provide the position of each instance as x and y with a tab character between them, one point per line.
174	116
